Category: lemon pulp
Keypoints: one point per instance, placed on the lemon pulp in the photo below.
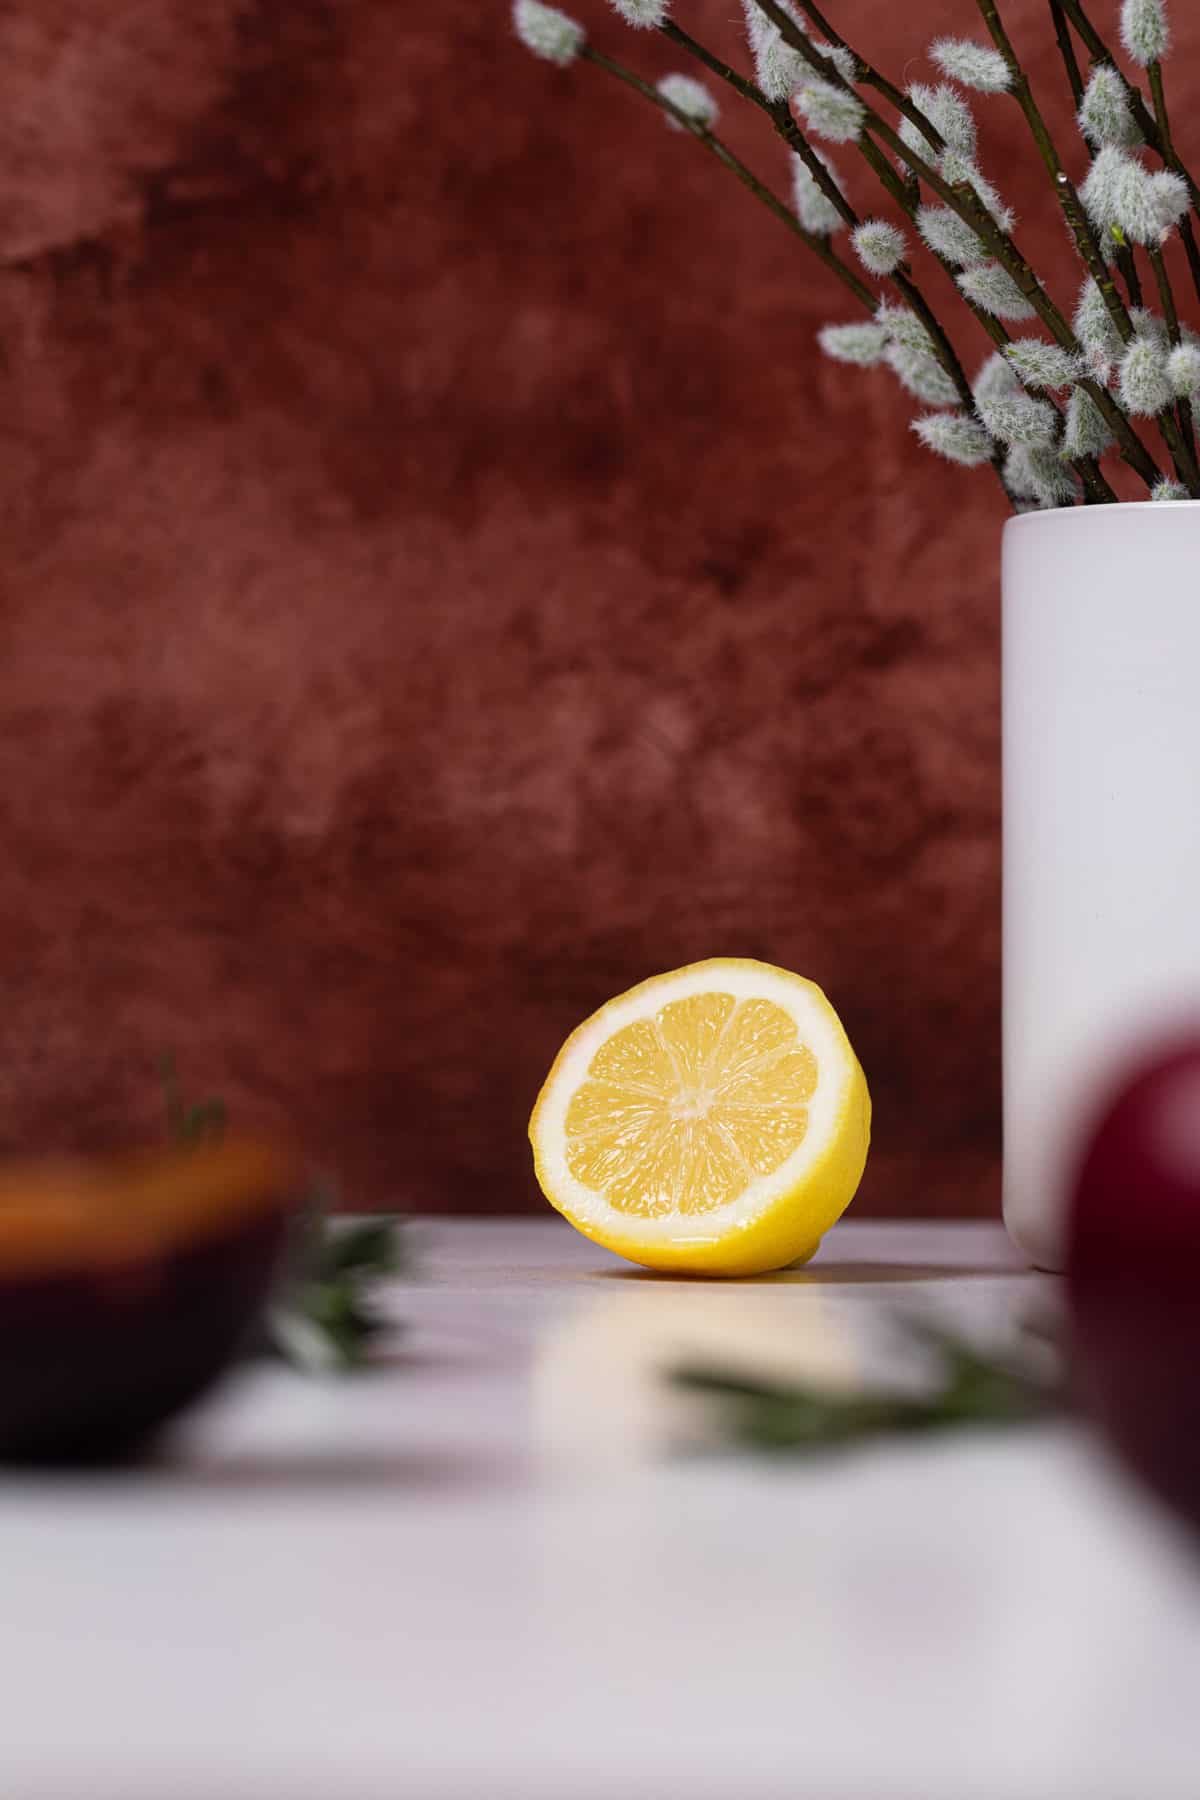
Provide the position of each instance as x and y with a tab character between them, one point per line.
680	1111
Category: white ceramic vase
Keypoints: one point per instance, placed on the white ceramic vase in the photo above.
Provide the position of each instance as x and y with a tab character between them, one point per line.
1101	700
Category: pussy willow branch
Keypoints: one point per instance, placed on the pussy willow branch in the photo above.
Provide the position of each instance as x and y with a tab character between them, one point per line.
907	196
790	132
1066	49
818	245
1163	122
1062	33
776	111
963	200
1158	94
1165	293
868	75
871	77
1182	454
1127	264
1149	126
1099	51
1166	297
792	135
723	72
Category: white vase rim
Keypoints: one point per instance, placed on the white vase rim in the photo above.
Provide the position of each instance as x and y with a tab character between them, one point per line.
1159	508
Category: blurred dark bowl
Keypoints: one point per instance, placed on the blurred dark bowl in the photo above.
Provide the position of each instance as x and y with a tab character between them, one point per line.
127	1288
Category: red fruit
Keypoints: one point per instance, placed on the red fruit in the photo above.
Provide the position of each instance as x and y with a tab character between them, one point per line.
1133	1272
126	1288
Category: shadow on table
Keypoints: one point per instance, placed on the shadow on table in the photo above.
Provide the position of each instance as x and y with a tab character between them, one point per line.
833	1274
304	1471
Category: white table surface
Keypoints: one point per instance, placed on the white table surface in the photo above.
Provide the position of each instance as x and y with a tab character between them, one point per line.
480	1574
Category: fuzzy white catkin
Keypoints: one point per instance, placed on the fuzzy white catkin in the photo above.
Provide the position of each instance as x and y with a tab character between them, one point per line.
1057	478
1149	204
904	327
1018	418
1164	492
1145	387
993	288
1121	196
1041	365
1104	113
950	237
1170	197
757	22
815	211
1018	476
549	33
861	343
1098	366
1151	326
1183	370
642	13
829	111
976	66
956	436
1093	325
995	380
879	245
1099	192
948	113
778	68
1034	473
924	378
692	98
1087	431
1145	31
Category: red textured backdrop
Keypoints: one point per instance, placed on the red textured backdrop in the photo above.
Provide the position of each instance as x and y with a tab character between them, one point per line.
442	585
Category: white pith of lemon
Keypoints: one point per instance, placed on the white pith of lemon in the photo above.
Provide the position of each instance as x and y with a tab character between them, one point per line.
713	1120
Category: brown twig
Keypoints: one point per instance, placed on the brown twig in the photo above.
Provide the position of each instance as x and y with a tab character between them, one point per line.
1159	96
1066	46
1062	33
1166	297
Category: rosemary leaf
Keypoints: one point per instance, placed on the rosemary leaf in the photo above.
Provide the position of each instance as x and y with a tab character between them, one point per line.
973	1388
321	1316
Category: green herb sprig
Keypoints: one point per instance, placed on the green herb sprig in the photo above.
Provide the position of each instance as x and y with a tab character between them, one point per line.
189	1122
972	1388
324	1314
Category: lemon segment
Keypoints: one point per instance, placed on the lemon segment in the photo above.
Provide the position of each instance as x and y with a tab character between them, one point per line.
713	1120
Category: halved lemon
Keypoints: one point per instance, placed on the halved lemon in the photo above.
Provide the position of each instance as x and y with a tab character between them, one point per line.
711	1121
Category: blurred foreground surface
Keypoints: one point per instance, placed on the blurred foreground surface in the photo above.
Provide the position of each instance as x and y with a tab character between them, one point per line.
477	1572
